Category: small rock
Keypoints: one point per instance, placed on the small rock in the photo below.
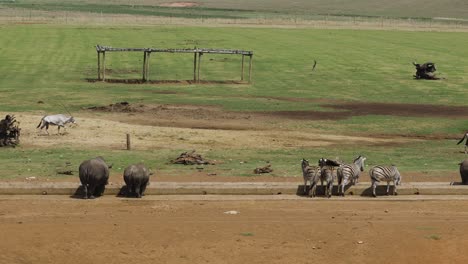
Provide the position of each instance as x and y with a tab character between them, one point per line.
360	242
386	211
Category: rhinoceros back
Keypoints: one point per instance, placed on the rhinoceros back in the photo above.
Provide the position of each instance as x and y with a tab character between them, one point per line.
94	171
136	174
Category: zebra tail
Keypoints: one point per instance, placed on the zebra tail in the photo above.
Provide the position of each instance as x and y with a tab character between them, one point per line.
373	177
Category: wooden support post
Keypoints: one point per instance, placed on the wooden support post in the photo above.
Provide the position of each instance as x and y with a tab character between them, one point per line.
99	66
103	66
250	69
144	66
147	66
129	147
200	54
242	69
195	66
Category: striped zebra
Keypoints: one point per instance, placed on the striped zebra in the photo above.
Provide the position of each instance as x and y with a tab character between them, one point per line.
311	174
349	173
385	173
327	175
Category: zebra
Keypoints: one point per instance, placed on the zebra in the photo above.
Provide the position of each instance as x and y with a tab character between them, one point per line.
327	176
349	173
385	173
311	174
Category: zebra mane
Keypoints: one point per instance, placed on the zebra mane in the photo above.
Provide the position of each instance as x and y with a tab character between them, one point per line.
357	158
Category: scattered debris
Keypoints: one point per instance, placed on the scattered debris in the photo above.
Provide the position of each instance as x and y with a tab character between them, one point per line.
266	169
65	172
191	158
31	178
124	107
9	131
232	212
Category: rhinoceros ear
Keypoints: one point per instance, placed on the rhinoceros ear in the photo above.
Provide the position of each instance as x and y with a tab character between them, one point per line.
110	166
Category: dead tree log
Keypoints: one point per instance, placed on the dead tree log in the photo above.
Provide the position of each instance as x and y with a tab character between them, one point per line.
9	131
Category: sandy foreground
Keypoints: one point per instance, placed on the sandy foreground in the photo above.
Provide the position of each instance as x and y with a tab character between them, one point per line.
191	229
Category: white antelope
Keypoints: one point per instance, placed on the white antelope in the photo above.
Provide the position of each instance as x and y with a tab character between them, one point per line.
55	120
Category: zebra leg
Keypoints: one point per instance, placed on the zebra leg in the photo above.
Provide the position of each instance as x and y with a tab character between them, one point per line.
388	188
305	186
394	188
374	186
322	187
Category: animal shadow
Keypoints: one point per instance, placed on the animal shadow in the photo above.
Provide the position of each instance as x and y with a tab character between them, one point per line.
381	190
79	192
320	191
123	192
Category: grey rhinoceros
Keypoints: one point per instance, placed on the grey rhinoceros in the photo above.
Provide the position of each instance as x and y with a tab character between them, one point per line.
94	176
464	171
136	178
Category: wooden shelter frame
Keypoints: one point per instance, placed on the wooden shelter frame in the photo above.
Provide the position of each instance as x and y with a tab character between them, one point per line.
197	58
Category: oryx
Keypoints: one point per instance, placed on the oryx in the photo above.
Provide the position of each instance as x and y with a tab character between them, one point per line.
56	120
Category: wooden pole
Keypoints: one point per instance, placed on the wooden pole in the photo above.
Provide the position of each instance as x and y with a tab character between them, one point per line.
195	66
250	68
199	66
103	65
242	69
129	147
98	66
144	66
148	66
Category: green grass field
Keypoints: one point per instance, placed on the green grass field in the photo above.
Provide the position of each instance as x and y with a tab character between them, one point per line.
266	8
52	62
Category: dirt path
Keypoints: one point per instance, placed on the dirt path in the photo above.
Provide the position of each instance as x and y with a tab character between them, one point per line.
108	130
109	230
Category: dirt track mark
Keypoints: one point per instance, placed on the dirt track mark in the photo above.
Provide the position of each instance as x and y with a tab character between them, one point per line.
347	110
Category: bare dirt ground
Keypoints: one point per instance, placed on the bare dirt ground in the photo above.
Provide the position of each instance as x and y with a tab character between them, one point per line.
180	4
187	127
58	229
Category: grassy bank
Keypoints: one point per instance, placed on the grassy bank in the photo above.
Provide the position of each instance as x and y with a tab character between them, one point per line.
51	63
